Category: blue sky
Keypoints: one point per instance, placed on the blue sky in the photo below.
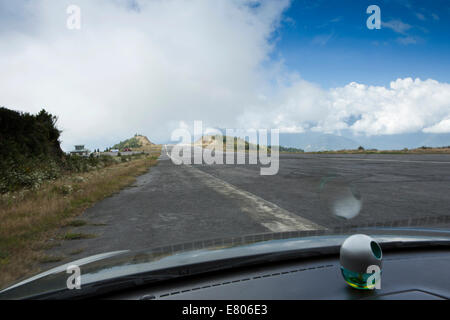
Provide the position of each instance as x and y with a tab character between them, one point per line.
328	42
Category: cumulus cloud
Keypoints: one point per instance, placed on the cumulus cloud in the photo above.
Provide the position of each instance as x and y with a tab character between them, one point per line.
405	106
146	66
137	68
440	127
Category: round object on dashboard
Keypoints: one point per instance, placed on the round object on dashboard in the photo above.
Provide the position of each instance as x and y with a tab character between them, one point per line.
360	256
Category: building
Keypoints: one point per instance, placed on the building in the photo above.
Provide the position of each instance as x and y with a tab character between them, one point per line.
80	150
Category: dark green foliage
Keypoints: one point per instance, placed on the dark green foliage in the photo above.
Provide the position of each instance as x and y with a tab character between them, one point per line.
24	135
30	151
289	149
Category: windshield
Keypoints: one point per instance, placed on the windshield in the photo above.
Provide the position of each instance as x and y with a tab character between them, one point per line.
135	125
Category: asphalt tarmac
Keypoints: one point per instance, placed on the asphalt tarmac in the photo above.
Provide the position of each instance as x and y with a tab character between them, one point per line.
182	203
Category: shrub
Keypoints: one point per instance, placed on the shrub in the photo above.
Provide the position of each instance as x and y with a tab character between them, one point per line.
30	152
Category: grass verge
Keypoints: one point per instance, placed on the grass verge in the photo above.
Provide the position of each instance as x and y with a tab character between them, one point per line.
30	218
76	223
78	236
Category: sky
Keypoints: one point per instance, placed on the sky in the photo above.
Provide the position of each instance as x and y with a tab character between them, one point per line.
328	42
150	67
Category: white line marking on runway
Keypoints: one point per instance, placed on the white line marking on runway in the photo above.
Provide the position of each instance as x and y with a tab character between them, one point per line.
266	213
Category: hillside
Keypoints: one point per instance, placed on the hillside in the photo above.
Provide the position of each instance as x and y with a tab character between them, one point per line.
210	142
143	140
315	141
137	143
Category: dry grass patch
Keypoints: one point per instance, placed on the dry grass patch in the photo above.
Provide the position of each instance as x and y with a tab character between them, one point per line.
30	218
77	251
51	259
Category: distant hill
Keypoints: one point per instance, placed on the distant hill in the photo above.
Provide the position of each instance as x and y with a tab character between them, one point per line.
312	141
138	143
143	140
316	141
214	141
290	149
405	140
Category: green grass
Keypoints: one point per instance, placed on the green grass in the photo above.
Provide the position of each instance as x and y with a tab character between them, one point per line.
78	236
30	219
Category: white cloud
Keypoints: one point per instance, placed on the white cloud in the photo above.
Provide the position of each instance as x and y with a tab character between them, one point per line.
440	127
144	70
405	106
397	26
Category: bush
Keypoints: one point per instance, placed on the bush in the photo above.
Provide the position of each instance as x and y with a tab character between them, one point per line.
28	174
33	172
28	136
30	152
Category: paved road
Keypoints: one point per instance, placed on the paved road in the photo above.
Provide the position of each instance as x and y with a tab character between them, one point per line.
173	204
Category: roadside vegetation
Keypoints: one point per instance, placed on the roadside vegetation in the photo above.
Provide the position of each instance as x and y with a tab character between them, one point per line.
290	150
30	152
42	189
31	218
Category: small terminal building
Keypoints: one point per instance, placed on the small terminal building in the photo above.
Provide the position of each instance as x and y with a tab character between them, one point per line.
80	150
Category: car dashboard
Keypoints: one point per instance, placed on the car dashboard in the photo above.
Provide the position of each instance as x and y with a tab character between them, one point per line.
406	275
